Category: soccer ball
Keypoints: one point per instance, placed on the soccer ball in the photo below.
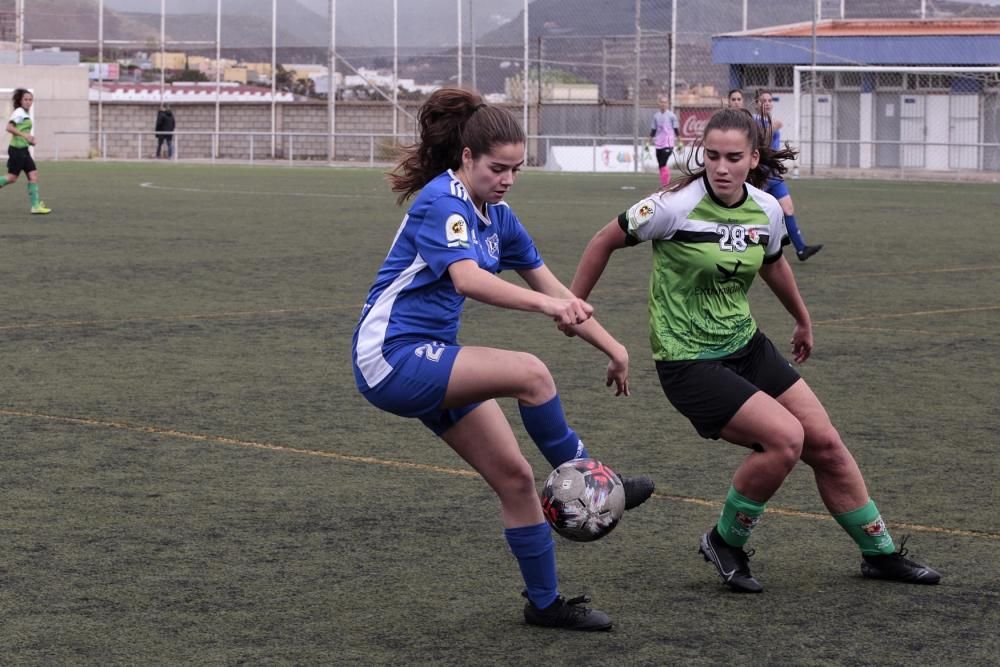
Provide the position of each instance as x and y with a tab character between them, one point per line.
583	500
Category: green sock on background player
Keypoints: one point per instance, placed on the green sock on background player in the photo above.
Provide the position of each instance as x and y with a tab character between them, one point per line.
739	516
867	529
33	194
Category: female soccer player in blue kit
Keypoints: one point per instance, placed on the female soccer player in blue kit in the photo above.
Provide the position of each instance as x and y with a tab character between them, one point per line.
456	235
775	185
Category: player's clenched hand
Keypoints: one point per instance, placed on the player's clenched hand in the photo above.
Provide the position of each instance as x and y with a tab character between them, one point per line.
568	311
568	329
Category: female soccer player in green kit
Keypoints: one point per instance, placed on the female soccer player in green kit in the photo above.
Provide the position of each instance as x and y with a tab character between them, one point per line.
18	153
712	232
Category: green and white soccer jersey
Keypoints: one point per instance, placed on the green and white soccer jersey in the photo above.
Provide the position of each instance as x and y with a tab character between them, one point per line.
22	121
705	257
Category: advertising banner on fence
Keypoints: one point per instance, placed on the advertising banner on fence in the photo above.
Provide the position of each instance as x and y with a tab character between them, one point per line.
600	158
621	157
693	122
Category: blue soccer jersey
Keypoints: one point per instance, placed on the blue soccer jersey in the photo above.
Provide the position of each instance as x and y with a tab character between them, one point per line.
413	298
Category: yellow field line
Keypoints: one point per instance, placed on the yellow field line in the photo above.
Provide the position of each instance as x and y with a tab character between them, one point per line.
170	318
912	313
371	460
914	272
853	327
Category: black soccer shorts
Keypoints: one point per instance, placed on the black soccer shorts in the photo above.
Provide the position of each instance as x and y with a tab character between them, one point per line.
18	160
709	392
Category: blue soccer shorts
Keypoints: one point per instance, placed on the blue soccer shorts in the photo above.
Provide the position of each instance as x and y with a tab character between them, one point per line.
417	384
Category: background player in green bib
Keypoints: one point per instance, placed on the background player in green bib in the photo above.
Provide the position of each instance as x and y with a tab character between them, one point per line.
712	232
18	152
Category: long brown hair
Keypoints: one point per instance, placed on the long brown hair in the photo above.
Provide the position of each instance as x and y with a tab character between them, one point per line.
757	130
18	97
450	120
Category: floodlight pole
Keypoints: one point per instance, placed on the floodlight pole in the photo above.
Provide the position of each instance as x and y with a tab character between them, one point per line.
100	76
163	53
331	94
472	53
458	6
395	70
635	94
274	77
19	19
218	74
673	48
812	94
524	74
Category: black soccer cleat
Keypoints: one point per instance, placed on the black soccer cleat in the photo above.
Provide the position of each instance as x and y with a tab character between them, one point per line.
896	567
637	490
732	563
567	614
808	252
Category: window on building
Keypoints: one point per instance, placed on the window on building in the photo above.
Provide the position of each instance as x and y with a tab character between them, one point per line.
756	76
925	81
889	80
783	77
848	80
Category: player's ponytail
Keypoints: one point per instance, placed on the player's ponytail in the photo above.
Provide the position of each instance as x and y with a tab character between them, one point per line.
771	162
450	120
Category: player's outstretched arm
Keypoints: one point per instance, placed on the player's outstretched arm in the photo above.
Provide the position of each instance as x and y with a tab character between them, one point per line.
541	279
475	283
595	257
779	277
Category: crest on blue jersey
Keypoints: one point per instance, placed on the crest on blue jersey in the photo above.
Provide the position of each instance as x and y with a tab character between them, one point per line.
493	246
456	231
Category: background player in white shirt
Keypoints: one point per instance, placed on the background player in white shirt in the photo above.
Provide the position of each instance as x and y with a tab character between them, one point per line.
664	132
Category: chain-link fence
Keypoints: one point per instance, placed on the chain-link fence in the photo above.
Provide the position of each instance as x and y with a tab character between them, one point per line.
584	77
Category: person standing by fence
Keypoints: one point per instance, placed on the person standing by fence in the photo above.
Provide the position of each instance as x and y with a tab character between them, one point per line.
165	125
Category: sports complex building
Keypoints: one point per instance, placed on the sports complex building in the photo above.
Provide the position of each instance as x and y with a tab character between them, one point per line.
927	96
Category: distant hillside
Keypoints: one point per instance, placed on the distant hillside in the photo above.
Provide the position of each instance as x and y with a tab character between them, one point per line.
697	21
247	23
78	20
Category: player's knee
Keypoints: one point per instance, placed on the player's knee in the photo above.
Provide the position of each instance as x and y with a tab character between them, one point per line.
825	450
784	444
538	385
515	480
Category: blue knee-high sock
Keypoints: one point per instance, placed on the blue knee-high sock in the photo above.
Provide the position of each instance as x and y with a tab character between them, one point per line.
794	234
546	424
535	551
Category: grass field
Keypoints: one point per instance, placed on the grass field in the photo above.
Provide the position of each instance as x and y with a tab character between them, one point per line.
189	476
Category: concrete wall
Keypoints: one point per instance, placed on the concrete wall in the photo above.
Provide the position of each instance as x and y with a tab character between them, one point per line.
129	127
134	123
60	105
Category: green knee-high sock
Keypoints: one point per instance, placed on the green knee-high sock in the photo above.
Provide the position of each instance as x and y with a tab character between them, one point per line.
867	529
33	194
739	516
3	181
